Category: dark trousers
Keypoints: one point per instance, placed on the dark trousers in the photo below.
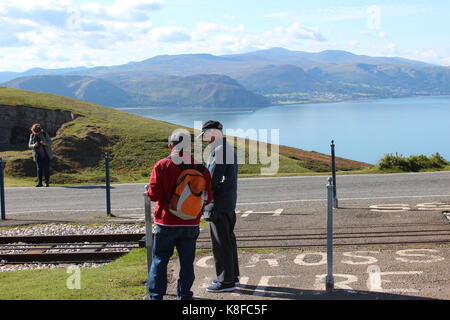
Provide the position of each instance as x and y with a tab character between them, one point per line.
43	169
224	246
165	239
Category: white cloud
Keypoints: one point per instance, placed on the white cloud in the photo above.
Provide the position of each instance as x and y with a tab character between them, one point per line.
169	34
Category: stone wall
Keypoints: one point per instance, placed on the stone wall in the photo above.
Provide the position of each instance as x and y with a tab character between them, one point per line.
15	124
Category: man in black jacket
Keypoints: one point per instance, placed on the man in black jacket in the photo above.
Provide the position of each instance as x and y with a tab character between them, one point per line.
222	164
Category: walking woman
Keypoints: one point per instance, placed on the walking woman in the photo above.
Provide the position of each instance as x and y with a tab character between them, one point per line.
40	142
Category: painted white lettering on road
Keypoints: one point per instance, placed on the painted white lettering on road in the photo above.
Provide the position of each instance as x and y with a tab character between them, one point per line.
264	283
418	253
357	254
375	281
319	284
300	259
202	262
272	261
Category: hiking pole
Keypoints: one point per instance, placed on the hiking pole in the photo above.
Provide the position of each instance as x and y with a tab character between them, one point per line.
2	191
333	170
148	228
329	284
108	185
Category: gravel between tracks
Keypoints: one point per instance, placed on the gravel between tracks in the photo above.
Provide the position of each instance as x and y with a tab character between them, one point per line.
71	229
64	229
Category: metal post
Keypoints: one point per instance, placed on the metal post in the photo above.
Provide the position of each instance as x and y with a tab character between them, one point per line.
333	171
2	191
329	284
148	228
108	185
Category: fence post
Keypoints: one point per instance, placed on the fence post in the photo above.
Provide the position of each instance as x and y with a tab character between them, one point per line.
148	228
329	284
108	185
2	191
333	171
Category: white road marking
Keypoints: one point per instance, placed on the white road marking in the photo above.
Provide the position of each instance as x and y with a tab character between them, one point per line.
345	199
300	259
277	212
319	283
272	261
74	210
390	207
447	215
202	263
246	213
264	283
418	253
274	213
357	254
374	283
436	206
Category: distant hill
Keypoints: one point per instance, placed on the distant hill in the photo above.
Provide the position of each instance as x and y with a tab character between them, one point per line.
82	88
281	79
202	90
198	90
281	71
282	75
7	76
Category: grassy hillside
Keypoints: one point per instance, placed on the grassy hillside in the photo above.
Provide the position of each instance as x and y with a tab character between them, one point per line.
134	142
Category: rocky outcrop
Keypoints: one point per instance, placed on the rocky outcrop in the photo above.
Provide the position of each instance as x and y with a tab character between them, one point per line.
78	152
16	121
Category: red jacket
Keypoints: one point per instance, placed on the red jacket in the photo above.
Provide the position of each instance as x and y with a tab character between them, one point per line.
161	188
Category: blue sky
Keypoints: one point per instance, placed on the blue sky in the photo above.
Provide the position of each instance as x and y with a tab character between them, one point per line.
68	33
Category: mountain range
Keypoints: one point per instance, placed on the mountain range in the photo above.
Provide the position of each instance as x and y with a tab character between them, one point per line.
252	79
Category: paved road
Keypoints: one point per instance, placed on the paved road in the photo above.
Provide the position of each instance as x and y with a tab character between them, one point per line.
254	193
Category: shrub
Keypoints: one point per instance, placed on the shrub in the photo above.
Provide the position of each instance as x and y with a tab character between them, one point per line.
412	163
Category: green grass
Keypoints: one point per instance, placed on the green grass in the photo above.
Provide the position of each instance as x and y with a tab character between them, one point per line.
122	279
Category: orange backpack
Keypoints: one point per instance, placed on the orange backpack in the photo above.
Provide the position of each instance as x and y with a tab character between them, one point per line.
188	199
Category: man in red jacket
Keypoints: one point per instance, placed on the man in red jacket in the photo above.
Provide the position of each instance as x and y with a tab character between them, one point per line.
170	231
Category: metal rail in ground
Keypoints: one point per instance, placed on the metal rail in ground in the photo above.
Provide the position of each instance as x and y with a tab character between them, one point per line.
54	249
61	257
126	237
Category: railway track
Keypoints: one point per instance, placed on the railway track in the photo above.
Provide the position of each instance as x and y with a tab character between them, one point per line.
343	236
108	247
67	249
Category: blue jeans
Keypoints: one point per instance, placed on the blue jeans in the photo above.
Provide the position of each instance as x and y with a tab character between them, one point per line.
165	239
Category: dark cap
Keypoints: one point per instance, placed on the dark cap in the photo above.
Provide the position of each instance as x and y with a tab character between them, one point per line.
210	124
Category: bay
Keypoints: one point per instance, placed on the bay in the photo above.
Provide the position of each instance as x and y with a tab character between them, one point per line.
362	130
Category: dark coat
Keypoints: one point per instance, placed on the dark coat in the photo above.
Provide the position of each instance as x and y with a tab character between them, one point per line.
224	177
45	138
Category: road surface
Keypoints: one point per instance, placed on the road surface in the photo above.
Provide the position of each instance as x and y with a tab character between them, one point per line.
254	193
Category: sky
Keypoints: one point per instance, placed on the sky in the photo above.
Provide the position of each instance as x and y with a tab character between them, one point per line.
72	33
